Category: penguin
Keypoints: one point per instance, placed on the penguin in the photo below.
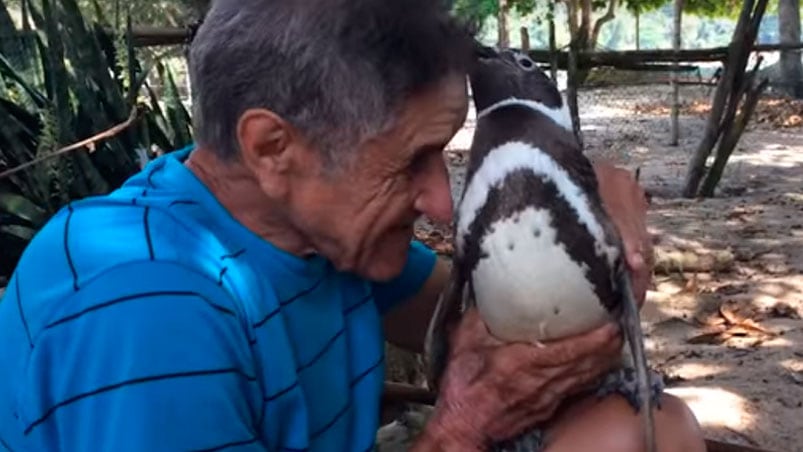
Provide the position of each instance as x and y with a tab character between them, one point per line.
535	251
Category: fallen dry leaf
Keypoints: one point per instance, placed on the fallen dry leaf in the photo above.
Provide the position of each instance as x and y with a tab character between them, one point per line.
729	315
691	285
729	321
783	310
709	337
776	112
437	240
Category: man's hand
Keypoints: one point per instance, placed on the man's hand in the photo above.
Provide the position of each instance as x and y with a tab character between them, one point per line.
492	391
626	203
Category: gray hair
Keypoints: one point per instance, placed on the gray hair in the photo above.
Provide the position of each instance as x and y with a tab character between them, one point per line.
338	70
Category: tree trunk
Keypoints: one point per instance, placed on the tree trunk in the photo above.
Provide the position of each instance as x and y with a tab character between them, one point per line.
789	31
553	47
731	88
572	84
503	34
609	15
525	39
676	34
638	30
729	141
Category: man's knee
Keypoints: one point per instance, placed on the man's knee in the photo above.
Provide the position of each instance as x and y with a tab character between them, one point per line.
612	425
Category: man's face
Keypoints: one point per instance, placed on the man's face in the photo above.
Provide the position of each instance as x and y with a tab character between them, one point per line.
361	217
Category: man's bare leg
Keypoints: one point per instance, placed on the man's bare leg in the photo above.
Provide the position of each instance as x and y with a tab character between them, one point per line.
610	424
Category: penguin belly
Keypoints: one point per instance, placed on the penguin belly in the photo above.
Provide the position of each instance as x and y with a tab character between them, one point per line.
527	287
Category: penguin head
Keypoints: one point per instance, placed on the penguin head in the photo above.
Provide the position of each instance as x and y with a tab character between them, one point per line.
497	75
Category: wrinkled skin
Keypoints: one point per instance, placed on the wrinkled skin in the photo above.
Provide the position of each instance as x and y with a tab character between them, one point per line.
521	384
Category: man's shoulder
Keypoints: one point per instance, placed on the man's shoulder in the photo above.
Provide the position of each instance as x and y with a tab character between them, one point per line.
136	232
115	250
88	237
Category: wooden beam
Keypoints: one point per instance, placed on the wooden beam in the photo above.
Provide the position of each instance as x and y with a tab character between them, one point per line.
628	58
145	36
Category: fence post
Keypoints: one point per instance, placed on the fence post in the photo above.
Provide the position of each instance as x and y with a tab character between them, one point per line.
553	47
525	39
675	70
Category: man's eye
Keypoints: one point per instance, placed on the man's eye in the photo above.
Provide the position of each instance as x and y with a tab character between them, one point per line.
422	159
418	163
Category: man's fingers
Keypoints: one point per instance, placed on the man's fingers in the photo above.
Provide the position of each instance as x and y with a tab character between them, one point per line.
569	350
472	333
635	260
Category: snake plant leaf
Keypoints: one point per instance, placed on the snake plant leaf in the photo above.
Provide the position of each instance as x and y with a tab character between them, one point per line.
14	239
22	234
76	79
23	208
8	71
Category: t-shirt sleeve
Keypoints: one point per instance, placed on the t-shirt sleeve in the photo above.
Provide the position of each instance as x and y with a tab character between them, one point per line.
420	262
146	357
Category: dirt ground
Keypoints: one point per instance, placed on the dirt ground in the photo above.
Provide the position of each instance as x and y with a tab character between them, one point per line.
727	336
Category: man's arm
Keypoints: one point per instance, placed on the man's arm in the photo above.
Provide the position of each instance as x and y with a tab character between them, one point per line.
406	325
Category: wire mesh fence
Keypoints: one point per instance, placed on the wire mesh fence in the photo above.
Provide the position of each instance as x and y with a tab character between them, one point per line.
623	109
636	104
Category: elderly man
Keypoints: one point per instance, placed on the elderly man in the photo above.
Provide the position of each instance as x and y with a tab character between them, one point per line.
232	295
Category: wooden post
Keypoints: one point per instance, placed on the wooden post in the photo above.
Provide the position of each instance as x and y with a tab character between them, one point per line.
638	30
571	90
525	39
553	47
674	138
503	36
789	31
730	90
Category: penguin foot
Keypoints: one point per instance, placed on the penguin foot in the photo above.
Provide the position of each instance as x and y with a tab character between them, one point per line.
623	382
531	441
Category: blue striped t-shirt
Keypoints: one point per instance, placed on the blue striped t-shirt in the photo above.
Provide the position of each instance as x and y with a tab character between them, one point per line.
150	320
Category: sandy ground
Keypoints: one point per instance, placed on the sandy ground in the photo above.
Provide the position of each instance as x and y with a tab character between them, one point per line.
729	341
745	387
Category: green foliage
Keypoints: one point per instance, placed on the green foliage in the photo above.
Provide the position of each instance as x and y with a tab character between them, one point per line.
112	13
90	81
710	17
477	11
702	8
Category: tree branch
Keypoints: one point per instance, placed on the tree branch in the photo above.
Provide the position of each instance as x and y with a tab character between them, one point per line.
89	142
609	15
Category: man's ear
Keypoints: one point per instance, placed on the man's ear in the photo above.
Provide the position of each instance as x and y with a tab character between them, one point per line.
266	141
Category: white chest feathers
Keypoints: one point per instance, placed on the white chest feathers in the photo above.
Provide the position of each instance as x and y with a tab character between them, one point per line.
528	287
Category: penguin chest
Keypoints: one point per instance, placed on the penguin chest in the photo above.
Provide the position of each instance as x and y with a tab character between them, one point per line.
528	287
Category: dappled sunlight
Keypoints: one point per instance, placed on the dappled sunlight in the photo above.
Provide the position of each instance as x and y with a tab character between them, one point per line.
769	154
793	365
700	370
715	406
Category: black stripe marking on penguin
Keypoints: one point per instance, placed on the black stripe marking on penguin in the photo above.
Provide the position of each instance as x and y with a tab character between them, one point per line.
535	251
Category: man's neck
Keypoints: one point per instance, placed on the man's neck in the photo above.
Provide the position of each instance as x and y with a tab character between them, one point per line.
238	191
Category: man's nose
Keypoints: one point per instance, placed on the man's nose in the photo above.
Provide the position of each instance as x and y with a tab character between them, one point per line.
434	197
